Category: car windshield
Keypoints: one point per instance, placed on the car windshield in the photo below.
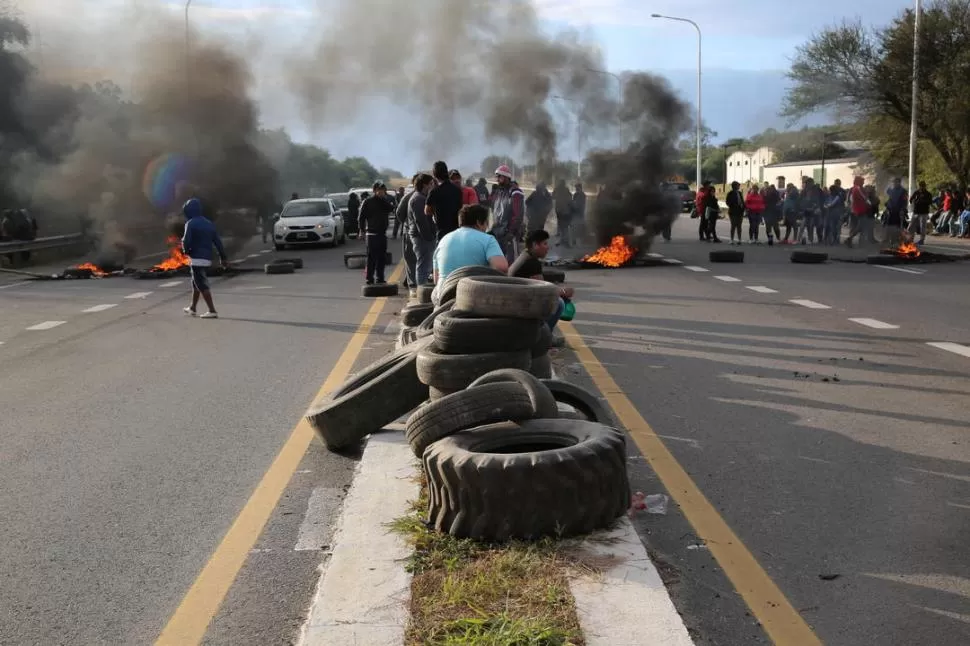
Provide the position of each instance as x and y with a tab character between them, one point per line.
306	209
340	200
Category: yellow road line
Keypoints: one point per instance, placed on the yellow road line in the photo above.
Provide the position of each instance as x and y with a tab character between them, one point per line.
191	619
767	602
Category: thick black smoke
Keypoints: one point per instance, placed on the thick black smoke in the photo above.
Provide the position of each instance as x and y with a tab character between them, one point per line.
81	153
631	202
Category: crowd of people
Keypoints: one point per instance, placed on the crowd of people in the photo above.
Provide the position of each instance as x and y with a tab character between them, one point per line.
815	215
447	224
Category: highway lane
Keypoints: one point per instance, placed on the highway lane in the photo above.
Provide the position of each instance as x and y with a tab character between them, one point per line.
133	435
837	452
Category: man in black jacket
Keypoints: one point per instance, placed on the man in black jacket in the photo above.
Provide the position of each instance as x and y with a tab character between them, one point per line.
373	220
922	201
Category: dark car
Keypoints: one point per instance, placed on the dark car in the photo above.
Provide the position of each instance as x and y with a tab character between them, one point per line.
685	196
340	201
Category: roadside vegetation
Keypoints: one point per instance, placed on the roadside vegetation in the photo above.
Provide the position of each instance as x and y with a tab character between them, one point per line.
471	594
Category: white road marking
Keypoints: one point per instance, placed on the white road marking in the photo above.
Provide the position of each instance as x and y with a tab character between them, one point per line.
655	255
918	272
265	251
695	268
46	325
319	522
956	348
99	308
12	285
673	261
253	255
174	283
761	289
728	279
873	323
820	460
812	305
957	505
138	295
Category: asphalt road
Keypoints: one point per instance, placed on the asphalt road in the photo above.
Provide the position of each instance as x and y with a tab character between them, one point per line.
836	449
132	435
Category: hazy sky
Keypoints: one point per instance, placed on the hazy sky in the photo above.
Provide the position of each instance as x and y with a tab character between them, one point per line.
747	46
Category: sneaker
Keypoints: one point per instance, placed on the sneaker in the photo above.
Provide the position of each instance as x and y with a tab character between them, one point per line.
189	311
209	315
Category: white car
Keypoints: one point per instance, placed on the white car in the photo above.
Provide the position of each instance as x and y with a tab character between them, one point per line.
309	221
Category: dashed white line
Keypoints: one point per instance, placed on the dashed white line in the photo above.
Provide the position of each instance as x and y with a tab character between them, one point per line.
673	261
918	272
138	295
728	279
253	255
761	289
46	325
174	283
812	305
695	268
265	251
655	255
955	348
99	308
874	323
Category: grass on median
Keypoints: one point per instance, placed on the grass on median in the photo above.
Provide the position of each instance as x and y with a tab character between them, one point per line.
466	593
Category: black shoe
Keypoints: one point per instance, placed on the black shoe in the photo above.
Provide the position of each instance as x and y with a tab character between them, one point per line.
381	282
716	240
368	282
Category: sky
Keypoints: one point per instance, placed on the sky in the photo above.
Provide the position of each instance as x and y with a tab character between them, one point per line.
747	47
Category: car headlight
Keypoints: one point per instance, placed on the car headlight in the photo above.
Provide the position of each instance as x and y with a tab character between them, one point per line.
325	225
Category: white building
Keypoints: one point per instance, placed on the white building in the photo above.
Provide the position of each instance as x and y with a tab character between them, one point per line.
743	167
844	169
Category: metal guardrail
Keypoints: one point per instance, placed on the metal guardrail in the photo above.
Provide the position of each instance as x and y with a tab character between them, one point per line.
50	242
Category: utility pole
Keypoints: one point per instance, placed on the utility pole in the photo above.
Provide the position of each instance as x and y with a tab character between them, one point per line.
915	102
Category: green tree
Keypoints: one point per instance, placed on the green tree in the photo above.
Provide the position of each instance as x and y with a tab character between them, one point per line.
865	76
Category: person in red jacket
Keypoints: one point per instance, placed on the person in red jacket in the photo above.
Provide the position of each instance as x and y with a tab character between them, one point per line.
468	194
859	205
755	206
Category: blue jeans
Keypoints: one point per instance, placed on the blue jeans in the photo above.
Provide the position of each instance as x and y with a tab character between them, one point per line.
553	320
424	259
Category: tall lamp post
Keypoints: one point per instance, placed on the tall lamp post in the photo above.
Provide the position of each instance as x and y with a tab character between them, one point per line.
915	106
188	76
699	127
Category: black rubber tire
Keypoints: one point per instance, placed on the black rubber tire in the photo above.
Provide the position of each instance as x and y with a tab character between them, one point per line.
882	259
438	393
469	408
541	367
507	297
726	255
414	315
279	268
74	272
378	395
458	332
406	337
353	255
427	327
809	257
457	371
297	262
553	275
375	291
424	293
450	285
355	263
543	403
480	487
585	402
543	342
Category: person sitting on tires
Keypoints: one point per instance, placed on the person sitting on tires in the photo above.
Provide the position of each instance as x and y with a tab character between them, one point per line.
529	265
468	245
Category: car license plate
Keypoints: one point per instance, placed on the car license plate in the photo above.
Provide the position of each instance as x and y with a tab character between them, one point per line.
301	236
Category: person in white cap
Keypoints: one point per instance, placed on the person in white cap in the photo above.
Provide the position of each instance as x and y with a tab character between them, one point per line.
508	212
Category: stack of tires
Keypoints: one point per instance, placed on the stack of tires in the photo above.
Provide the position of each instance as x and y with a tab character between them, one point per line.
496	322
501	464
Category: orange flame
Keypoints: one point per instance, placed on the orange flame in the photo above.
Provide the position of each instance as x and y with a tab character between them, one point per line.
176	258
616	255
908	250
94	269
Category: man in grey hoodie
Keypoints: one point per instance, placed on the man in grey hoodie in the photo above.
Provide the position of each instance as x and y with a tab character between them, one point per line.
421	229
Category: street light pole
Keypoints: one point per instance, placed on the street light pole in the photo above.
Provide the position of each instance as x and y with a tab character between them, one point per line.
915	101
188	77
699	68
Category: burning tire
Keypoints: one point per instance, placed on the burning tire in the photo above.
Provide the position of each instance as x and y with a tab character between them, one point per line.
450	286
553	276
458	332
374	291
279	268
486	404
296	262
414	315
427	327
809	257
543	342
548	477
457	371
585	402
424	293
726	255
74	272
506	297
543	403
379	394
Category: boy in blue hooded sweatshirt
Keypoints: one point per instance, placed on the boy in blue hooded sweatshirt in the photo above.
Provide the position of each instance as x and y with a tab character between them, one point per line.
197	243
